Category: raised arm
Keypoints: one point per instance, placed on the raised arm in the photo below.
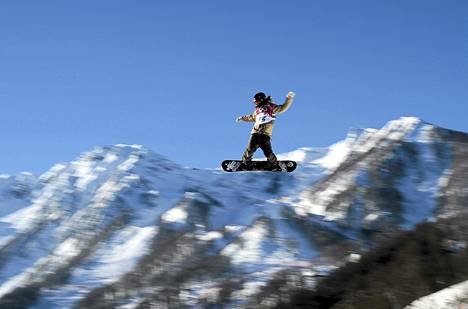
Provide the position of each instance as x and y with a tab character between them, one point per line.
287	103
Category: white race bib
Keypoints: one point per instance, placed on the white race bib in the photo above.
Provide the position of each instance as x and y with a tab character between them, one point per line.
262	118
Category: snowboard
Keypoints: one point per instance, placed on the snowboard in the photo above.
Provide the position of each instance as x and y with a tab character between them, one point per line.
240	166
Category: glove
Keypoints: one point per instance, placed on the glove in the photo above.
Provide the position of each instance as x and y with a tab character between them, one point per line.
238	119
291	94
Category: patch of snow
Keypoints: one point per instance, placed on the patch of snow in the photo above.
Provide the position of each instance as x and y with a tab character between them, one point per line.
118	256
454	297
113	259
425	134
52	172
154	192
129	163
249	288
110	157
210	236
444	180
67	248
353	258
393	130
84	171
133	303
233	228
303	154
247	247
133	146
336	155
13	283
175	215
24	218
317	204
371	217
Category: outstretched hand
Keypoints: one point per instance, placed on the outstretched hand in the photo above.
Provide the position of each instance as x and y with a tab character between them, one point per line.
238	119
291	94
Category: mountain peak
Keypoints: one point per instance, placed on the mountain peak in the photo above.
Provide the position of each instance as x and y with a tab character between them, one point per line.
409	120
122	153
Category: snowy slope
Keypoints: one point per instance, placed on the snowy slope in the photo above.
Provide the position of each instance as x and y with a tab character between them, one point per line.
406	161
453	297
127	222
97	215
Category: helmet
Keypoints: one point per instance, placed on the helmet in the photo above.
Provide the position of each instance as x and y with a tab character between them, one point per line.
260	97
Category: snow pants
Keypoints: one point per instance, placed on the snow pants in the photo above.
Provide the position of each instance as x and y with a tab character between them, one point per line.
264	142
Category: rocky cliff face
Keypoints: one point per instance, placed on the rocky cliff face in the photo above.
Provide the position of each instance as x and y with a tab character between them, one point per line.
124	227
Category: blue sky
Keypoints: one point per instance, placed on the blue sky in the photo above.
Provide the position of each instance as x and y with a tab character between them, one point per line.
174	75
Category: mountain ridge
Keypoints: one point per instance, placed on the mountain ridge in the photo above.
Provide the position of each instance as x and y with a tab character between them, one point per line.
77	232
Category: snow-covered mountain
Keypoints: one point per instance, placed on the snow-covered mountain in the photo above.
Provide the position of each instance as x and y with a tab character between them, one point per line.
124	227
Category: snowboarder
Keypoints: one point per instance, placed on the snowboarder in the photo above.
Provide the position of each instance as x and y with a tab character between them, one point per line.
264	118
